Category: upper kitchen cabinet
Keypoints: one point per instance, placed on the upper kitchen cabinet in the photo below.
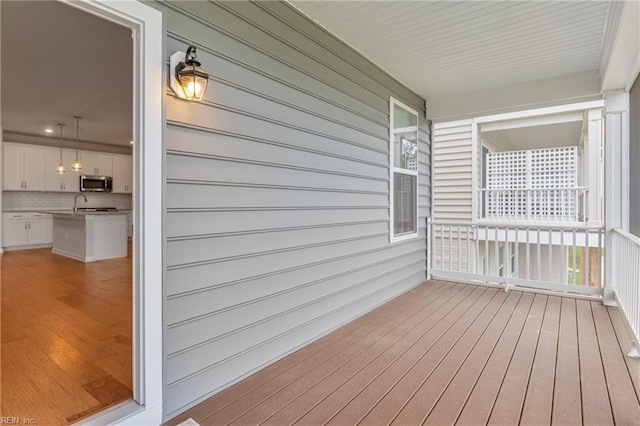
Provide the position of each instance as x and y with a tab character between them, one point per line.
94	163
23	168
66	182
122	174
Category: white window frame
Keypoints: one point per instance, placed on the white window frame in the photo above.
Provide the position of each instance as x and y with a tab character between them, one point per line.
392	170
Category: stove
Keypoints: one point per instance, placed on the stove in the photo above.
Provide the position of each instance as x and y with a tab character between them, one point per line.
97	209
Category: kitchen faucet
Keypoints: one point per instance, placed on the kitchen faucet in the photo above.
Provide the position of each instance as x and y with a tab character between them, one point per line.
75	202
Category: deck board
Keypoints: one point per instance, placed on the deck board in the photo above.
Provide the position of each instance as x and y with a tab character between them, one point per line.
596	409
298	406
622	395
508	406
452	401
448	353
567	397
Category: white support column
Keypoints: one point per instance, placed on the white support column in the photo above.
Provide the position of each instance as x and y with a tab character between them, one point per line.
593	150
475	145
616	180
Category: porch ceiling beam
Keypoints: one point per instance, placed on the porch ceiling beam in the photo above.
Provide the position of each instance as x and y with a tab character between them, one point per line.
623	64
532	122
567	89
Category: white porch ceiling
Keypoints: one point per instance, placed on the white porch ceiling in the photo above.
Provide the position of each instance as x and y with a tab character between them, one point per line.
438	48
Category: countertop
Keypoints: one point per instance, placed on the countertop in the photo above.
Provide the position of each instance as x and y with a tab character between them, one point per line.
71	213
67	212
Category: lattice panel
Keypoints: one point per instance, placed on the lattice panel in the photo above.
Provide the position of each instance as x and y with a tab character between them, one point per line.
554	168
507	170
535	185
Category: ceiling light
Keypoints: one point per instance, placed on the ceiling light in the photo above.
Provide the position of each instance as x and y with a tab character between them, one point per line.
76	166
60	169
188	80
131	142
48	130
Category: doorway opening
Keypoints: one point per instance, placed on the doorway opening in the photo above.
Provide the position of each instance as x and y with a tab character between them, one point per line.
67	292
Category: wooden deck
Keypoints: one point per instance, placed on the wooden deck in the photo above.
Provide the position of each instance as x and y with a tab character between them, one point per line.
447	353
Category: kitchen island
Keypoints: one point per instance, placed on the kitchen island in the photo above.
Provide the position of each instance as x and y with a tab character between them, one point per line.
90	236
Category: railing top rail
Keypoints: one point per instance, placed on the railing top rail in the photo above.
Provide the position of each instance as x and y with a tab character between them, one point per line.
555	188
633	238
529	226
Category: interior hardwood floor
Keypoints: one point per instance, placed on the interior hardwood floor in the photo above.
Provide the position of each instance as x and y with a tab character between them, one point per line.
66	330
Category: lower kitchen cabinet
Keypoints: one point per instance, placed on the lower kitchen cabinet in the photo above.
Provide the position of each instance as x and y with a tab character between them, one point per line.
26	230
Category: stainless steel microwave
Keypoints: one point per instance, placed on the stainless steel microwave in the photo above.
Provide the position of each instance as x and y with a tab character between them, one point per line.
92	183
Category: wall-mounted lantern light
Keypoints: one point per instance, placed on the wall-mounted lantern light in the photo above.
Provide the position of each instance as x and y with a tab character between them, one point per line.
187	79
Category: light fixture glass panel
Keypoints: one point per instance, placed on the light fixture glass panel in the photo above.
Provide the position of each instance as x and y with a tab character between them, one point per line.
76	166
60	169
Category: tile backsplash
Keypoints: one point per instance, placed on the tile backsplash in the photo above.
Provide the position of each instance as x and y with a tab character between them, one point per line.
27	201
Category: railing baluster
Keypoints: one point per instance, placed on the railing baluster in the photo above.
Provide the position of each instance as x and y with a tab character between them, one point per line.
528	266
478	257
468	229
517	254
587	272
573	252
486	251
442	246
539	260
550	254
497	252
459	251
600	275
450	248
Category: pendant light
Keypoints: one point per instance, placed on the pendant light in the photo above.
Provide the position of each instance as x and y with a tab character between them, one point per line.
77	166
60	169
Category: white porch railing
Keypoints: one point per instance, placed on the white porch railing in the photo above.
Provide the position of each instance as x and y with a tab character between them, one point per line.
535	205
626	277
553	257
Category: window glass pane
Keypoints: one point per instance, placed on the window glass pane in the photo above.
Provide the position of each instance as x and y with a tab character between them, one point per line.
403	118
405	138
404	203
405	151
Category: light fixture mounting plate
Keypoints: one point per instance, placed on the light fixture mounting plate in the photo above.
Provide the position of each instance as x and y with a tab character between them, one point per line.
174	83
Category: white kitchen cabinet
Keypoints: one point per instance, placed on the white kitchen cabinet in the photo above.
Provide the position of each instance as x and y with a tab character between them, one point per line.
23	167
90	237
122	174
94	163
53	181
24	229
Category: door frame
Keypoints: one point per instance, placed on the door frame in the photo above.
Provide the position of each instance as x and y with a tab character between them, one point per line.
147	28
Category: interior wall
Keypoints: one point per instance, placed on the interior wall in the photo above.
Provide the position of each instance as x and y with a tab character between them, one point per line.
277	194
634	158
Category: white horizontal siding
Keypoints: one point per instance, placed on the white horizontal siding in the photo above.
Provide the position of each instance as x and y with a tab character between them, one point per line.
277	194
452	171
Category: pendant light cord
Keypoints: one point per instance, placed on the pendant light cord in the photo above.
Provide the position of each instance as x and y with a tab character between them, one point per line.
77	134
61	126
